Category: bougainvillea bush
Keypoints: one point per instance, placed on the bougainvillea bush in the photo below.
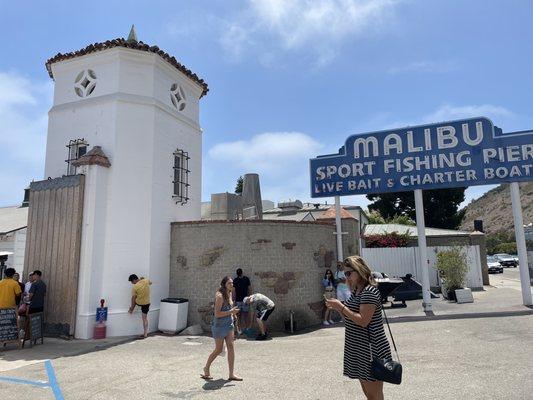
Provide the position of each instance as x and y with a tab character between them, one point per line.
392	239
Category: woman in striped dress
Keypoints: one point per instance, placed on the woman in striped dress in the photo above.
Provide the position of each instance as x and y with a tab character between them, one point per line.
364	322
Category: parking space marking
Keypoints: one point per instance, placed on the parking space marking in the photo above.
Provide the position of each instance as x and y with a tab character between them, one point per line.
52	381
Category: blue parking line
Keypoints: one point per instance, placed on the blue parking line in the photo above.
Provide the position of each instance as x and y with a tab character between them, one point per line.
53	381
24	382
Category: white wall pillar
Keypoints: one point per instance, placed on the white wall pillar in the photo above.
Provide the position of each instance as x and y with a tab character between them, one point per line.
92	249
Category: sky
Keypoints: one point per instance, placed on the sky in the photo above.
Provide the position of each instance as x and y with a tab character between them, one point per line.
289	79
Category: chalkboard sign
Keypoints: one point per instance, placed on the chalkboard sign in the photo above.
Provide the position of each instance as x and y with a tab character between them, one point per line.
36	327
8	325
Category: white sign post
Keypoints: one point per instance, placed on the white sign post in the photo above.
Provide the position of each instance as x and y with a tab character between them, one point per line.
521	244
421	228
340	256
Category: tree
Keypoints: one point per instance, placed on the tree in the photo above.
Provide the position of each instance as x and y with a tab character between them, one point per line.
508	248
440	206
238	188
374	217
402	220
495	241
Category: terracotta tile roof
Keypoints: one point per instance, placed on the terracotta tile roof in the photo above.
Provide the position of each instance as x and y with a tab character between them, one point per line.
331	214
121	42
95	156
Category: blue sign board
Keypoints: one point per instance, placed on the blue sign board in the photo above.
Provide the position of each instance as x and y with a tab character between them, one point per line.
101	314
435	156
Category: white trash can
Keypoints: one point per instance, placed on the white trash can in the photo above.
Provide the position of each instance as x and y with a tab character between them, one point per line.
173	315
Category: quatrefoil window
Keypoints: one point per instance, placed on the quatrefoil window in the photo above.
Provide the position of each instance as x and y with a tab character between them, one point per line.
177	96
85	83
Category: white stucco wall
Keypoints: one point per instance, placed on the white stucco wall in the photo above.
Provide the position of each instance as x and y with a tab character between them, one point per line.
15	242
128	207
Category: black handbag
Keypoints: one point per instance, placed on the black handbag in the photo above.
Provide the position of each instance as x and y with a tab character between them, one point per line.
384	369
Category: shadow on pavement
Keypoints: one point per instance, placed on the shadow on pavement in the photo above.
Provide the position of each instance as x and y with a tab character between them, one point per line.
217	384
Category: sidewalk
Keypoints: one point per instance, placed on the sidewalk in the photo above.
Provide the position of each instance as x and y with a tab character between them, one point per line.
11	358
492	301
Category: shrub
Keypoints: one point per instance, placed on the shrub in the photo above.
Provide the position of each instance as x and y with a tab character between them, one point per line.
393	239
509	248
402	220
453	267
374	217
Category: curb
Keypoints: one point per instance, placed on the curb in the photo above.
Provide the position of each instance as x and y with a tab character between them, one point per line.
495	314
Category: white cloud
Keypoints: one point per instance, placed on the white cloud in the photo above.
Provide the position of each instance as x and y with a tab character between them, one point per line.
14	90
423	67
270	153
280	158
234	40
448	112
319	26
23	112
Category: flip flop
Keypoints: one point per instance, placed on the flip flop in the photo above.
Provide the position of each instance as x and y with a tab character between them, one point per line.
235	378
205	376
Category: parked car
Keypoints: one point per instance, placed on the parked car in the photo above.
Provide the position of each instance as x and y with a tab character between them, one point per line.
494	265
506	260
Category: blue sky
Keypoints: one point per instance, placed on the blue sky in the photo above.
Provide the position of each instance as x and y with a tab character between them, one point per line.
288	79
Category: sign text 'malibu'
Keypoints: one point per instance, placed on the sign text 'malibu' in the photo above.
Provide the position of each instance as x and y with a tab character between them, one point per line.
435	156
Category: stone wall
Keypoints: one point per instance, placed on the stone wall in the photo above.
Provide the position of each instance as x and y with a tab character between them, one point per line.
284	260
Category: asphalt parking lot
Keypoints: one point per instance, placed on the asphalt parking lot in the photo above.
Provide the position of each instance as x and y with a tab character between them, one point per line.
479	358
471	356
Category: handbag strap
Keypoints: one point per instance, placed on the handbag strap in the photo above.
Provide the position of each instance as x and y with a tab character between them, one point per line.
390	332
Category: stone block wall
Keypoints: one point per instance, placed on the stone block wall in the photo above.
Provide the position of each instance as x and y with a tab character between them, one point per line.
284	260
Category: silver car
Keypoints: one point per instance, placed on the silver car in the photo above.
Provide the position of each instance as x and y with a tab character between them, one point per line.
494	265
506	260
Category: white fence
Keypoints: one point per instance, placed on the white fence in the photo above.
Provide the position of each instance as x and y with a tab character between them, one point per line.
399	261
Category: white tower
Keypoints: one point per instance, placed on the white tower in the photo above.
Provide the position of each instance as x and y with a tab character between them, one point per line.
141	107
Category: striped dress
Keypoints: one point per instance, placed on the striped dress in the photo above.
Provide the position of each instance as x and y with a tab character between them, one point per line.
357	360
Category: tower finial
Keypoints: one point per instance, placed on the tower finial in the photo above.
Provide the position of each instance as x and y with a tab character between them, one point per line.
132	37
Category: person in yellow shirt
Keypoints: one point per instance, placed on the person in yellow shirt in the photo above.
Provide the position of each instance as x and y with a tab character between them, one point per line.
9	290
140	296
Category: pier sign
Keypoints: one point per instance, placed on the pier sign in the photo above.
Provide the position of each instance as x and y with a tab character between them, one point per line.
459	153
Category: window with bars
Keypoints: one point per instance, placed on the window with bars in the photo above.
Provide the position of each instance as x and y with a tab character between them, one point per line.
181	176
76	149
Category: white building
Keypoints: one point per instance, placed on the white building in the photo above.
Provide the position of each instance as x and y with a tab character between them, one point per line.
141	107
13	223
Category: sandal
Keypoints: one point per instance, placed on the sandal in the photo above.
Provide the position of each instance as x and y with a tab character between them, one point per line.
235	378
206	376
